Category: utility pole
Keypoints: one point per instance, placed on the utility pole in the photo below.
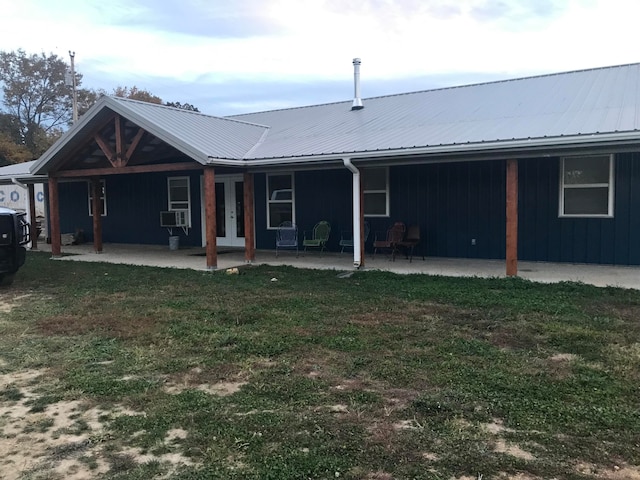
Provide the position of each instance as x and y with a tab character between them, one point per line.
73	86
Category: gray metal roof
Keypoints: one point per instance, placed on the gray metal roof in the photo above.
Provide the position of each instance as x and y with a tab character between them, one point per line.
581	103
197	135
205	135
573	108
20	172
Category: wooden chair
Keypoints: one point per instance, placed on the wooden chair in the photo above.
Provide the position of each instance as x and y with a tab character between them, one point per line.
319	236
411	241
287	237
391	240
346	237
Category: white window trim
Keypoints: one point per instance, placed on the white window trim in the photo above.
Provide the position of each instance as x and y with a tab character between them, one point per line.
292	201
609	185
170	207
385	191
103	184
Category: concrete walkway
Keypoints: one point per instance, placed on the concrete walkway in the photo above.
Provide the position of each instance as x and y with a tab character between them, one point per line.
193	258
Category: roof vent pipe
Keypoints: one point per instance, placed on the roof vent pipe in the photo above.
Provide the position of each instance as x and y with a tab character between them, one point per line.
357	101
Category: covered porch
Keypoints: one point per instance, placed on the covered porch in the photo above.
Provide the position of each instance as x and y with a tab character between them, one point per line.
192	258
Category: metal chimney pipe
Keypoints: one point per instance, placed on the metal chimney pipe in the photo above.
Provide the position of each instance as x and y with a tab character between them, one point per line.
357	101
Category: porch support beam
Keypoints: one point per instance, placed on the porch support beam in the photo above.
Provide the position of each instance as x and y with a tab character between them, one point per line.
134	144
33	229
210	217
106	149
159	167
121	159
249	222
512	218
96	192
54	218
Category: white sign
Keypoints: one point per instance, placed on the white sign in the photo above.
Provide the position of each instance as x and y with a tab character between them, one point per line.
15	197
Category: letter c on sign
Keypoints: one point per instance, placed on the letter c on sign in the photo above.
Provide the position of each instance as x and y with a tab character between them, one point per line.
39	197
15	196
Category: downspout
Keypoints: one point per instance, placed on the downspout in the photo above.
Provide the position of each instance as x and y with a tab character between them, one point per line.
17	182
357	252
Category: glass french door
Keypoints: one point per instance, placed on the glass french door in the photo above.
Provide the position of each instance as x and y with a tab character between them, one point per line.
229	212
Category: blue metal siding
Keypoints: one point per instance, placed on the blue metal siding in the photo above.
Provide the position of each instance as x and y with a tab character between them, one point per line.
319	195
134	203
74	208
544	236
452	203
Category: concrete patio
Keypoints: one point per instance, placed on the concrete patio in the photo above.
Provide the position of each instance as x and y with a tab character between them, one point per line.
193	258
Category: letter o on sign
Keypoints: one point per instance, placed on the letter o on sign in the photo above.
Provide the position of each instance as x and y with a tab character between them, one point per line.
15	196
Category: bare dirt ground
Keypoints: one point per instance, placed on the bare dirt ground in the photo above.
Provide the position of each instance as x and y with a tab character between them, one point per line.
63	441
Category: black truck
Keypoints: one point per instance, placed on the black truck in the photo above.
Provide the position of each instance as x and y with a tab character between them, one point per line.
14	234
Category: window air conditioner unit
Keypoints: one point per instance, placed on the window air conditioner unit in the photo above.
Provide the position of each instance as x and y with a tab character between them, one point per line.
174	218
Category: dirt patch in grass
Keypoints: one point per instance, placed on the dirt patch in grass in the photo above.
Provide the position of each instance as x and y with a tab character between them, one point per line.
512	450
496	427
6	305
106	325
623	473
403	312
60	440
216	381
560	365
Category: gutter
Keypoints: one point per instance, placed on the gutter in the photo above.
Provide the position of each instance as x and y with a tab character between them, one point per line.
499	147
357	252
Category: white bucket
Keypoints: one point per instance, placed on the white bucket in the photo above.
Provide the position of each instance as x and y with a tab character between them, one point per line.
174	242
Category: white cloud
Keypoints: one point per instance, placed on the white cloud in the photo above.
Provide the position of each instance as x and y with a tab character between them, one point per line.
116	43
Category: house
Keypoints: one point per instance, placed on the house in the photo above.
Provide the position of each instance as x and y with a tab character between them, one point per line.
544	168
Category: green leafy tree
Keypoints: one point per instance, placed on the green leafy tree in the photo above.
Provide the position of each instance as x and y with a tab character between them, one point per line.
183	106
135	93
36	96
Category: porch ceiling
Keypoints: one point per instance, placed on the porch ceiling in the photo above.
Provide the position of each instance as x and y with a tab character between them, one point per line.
149	150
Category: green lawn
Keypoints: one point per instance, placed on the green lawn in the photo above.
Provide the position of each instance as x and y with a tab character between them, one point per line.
277	373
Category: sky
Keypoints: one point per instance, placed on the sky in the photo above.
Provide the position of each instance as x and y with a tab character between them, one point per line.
235	56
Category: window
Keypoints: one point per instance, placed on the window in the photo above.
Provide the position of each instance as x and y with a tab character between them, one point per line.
103	198
375	190
180	196
586	186
280	203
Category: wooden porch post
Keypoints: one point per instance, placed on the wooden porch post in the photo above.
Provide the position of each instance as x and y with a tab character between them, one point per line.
210	217
96	192
54	217
249	230
512	218
33	230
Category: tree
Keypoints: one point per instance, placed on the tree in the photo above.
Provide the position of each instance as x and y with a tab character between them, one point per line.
134	93
36	96
183	106
11	152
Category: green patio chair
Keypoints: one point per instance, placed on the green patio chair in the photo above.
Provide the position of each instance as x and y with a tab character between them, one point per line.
319	236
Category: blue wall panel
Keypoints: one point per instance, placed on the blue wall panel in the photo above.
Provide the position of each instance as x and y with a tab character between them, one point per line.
544	236
319	195
134	203
453	203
